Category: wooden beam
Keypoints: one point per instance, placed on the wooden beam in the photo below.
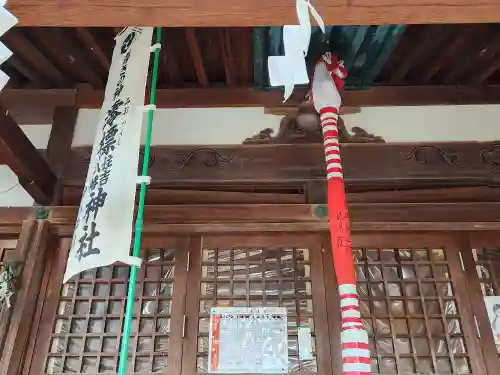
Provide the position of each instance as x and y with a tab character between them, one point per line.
249	97
21	156
286	217
73	196
245	12
11	220
317	193
366	166
42	104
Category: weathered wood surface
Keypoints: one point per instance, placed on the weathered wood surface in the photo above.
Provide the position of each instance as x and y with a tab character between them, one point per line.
246	12
375	166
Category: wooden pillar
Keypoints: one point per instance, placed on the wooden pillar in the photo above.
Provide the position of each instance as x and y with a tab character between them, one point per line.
32	248
60	142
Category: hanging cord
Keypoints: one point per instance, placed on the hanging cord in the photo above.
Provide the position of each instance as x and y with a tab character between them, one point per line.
10	189
122	366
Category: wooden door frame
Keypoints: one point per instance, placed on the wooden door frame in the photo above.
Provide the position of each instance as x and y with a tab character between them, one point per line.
470	241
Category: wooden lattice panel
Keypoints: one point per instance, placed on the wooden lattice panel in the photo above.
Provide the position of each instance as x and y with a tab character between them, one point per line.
258	278
410	311
7	251
87	329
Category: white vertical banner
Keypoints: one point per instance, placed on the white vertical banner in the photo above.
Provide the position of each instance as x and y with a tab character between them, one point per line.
103	230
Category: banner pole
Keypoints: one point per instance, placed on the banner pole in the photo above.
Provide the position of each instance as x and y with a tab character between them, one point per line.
122	366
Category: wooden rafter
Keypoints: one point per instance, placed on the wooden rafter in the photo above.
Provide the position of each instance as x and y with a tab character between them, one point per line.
23	48
169	67
194	50
487	72
431	37
68	56
28	72
94	47
16	151
438	62
225	42
245	12
466	67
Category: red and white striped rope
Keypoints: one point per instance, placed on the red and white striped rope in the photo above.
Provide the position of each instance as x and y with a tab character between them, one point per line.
329	118
354	339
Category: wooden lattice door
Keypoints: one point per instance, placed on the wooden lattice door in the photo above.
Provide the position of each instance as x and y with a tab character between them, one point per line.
83	318
275	271
414	305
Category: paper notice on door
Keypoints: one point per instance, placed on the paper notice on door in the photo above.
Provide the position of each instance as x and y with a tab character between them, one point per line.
305	343
248	340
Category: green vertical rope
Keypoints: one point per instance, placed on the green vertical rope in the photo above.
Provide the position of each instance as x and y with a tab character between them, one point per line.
122	367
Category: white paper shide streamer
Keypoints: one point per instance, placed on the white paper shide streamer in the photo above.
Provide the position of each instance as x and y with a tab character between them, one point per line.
103	230
7	21
290	70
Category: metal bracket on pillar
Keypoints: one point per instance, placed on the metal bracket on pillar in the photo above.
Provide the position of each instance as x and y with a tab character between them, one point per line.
320	211
41	212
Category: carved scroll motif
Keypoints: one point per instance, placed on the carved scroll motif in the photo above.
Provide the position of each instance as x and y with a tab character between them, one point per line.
491	157
290	133
427	154
210	157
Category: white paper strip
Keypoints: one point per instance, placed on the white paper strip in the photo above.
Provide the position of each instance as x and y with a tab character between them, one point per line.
103	230
290	70
7	21
305	343
5	53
